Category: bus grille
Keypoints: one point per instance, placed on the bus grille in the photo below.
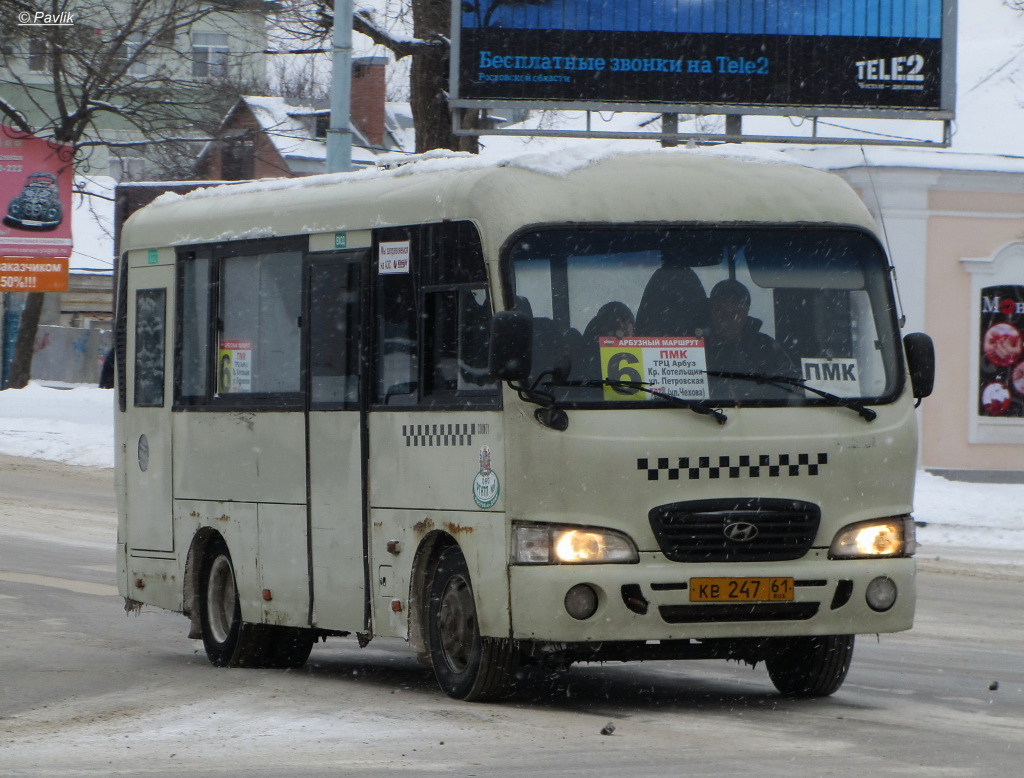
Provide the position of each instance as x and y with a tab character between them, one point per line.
735	530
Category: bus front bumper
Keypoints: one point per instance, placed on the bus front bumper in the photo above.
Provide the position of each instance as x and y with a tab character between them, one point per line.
660	600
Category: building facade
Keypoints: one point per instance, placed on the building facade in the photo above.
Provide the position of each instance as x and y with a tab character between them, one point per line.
955	228
176	48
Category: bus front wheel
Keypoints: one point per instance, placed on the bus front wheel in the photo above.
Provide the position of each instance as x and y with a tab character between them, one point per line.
229	642
467	666
810	666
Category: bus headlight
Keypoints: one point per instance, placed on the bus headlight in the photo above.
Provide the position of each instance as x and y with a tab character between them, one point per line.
534	544
892	537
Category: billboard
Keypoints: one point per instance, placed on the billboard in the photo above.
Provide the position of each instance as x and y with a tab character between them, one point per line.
882	58
35	196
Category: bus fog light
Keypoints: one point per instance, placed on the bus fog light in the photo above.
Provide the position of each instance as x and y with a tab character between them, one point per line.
881	594
581	602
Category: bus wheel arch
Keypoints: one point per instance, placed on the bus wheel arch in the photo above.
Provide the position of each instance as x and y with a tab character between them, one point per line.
229	641
427	553
190	593
467	666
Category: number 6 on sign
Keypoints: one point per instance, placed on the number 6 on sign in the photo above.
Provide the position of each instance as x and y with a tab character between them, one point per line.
621	365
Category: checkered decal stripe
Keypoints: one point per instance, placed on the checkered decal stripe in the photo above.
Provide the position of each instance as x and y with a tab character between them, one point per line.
426	435
762	466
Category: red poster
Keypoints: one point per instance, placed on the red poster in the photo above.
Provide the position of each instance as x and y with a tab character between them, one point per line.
35	196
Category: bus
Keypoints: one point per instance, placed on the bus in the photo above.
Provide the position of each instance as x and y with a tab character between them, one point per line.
521	415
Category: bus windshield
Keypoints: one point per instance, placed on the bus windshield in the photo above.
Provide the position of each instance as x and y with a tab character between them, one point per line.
762	316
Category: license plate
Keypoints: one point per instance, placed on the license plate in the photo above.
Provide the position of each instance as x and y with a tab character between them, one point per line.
741	589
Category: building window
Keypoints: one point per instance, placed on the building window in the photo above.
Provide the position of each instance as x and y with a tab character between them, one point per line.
238	158
128	55
127	168
38	56
209	54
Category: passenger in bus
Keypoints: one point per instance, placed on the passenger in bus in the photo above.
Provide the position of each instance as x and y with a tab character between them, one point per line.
735	343
613	319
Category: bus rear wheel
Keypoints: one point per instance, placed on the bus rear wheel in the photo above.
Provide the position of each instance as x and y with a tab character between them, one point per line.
229	642
466	665
810	666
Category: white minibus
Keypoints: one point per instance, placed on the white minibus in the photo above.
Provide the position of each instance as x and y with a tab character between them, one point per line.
648	406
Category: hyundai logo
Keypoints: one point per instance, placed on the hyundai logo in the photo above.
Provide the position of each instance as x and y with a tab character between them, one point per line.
740	531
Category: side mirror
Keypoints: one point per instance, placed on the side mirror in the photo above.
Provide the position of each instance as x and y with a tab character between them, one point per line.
509	357
921	360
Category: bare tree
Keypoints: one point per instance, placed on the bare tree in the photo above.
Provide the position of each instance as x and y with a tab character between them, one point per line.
105	73
417	29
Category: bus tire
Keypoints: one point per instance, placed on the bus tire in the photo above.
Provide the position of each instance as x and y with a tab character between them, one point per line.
467	666
810	666
229	642
291	646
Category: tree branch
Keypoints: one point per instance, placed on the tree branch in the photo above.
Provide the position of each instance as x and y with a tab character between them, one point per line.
363	23
15	117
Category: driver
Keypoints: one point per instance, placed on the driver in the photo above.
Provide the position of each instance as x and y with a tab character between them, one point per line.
735	343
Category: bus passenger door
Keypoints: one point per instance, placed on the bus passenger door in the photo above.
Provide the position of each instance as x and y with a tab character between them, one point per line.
147	429
336	442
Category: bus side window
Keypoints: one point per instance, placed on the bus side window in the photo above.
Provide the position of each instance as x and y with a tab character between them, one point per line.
150	334
456	330
260	343
396	340
194	325
335	312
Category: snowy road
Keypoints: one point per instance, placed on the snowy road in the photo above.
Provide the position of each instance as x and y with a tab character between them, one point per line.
86	690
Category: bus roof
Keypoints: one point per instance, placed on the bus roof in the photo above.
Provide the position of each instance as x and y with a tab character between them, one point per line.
671	185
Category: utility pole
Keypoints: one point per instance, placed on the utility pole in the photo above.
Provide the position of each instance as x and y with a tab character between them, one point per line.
339	134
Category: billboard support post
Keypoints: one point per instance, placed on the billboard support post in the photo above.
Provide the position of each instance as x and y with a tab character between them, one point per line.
669	129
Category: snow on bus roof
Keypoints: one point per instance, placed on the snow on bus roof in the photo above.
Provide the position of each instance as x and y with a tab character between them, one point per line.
556	163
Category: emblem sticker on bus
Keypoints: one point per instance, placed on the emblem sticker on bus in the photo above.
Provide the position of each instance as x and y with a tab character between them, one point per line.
485	484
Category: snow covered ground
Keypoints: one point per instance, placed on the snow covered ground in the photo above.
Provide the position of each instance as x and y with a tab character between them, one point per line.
74	425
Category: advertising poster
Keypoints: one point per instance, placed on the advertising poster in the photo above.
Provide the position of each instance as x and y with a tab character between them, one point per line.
867	54
35	196
1001	362
234	366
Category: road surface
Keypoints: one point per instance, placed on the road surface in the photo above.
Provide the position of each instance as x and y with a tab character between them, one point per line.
86	689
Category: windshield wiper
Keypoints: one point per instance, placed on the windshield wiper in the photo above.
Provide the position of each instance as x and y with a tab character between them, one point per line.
788	381
671	399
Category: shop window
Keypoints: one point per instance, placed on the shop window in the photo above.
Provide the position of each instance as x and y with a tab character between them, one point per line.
997	347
